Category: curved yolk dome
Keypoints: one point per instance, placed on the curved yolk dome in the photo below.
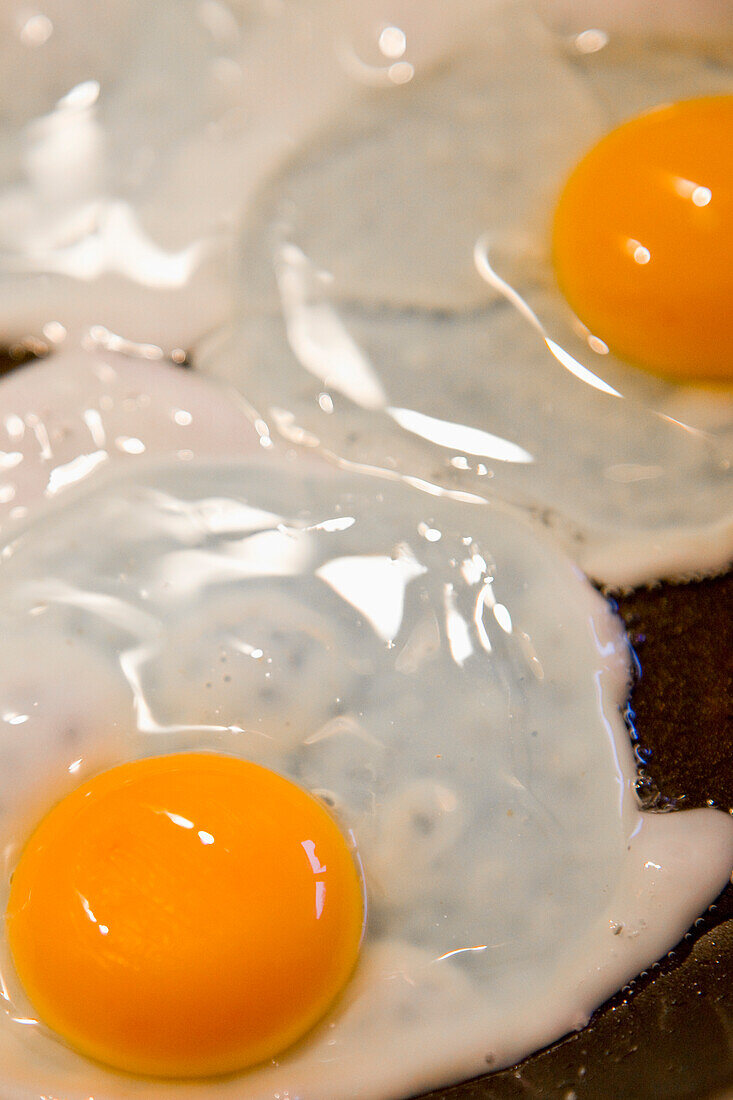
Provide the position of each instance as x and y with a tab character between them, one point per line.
643	239
185	915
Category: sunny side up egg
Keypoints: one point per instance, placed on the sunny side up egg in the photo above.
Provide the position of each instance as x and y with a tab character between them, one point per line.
434	676
399	306
420	661
196	951
642	240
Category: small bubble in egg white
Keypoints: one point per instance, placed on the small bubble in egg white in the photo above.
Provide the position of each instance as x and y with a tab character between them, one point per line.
392	42
36	30
590	41
430	534
54	331
401	72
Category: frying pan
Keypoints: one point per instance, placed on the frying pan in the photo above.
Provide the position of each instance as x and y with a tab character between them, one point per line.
670	1032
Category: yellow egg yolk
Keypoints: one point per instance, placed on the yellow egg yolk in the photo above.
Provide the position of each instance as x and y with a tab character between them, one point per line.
643	240
185	915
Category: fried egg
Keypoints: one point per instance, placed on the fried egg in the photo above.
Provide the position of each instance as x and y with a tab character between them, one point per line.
399	306
434	671
132	140
306	582
147	982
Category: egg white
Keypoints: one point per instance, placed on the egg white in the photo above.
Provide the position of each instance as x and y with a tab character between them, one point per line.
180	569
72	417
398	266
127	218
131	142
435	668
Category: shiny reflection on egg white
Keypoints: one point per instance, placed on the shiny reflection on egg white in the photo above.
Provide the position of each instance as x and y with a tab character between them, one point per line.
399	264
437	667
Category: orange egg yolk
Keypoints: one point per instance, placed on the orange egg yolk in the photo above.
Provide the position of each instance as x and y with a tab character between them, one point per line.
643	240
185	915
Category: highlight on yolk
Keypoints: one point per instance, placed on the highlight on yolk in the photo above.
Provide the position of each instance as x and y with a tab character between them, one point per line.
643	239
185	915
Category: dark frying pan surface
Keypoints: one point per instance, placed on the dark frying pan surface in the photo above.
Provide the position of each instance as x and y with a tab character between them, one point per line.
670	1033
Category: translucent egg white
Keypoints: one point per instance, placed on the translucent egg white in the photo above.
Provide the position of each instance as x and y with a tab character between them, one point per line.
436	669
399	265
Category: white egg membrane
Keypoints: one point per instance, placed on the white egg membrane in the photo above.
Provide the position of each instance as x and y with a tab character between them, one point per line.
397	305
438	670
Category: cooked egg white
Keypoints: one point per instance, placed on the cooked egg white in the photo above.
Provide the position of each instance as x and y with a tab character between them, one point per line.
437	670
132	141
86	409
340	574
464	129
398	306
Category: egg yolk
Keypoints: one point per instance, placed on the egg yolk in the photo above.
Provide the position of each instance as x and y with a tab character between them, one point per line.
643	239
185	915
